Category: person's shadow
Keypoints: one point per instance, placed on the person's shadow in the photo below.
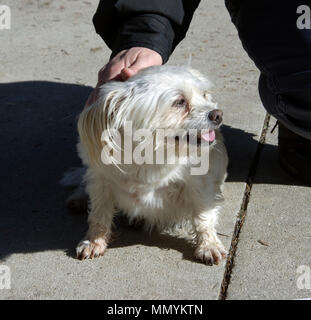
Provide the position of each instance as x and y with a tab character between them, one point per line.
38	144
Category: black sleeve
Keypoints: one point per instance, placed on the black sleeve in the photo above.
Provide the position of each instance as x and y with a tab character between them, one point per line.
155	24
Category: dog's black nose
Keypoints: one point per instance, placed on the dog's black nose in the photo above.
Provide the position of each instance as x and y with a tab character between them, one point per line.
215	116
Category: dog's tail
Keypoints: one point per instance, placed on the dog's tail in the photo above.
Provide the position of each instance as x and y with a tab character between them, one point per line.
73	177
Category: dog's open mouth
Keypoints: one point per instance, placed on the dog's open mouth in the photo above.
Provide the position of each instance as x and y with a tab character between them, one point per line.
210	136
207	137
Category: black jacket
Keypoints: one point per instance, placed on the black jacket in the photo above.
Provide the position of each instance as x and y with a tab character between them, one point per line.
155	24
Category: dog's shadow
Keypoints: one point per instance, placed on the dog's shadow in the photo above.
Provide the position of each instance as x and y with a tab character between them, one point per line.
125	234
37	145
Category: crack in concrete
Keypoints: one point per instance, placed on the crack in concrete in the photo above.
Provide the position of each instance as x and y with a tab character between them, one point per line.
243	211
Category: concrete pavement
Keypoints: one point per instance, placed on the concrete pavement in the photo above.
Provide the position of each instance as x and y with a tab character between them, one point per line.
50	59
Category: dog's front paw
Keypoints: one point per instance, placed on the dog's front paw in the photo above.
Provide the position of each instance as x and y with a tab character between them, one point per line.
87	249
210	254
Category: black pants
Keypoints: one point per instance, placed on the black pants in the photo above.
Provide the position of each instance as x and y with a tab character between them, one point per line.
282	52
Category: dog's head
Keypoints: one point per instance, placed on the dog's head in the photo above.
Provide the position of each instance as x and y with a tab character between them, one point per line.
176	99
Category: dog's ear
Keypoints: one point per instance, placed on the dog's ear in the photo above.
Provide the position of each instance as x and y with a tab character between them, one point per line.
90	128
208	84
101	116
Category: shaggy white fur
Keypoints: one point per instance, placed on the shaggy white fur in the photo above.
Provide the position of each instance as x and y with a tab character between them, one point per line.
163	195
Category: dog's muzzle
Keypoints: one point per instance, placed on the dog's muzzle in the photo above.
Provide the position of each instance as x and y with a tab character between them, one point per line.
215	116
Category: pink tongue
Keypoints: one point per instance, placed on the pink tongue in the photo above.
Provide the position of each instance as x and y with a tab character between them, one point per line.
209	137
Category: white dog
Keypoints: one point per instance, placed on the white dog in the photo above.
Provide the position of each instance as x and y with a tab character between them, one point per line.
163	195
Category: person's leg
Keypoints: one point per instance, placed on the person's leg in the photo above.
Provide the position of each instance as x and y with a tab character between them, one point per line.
282	52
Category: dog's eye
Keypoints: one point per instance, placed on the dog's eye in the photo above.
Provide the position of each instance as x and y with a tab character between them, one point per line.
206	95
181	103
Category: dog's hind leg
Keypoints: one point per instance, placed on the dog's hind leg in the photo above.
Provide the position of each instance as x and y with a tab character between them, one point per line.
78	200
100	219
73	179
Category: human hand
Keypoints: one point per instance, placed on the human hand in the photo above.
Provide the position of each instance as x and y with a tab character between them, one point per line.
123	66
